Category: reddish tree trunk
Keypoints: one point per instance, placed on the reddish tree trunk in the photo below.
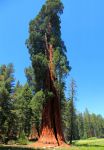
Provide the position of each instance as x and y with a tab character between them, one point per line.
51	130
34	134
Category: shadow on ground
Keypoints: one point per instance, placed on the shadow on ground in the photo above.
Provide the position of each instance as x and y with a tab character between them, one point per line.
15	148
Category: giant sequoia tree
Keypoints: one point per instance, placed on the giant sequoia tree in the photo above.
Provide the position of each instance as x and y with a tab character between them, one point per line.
49	61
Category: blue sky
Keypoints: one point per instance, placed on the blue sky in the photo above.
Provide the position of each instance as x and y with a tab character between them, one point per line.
83	33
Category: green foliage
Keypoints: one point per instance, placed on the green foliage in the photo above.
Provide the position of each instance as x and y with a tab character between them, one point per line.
90	125
23	97
29	73
93	125
40	64
43	31
61	63
22	139
71	122
36	105
80	123
37	100
71	117
6	90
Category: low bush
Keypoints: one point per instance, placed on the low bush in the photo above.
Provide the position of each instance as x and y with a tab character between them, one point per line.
22	139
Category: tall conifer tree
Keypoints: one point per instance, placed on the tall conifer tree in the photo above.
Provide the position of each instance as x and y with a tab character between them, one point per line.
49	61
6	91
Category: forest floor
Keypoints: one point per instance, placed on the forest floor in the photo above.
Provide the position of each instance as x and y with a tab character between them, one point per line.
89	144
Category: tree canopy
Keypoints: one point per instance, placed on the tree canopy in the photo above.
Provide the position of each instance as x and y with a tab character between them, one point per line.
45	29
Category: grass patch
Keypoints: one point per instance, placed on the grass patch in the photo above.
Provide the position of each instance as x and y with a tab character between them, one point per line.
89	144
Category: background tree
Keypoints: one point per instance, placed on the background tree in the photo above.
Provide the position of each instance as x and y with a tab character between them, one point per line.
80	121
6	91
36	106
23	97
87	124
71	123
93	125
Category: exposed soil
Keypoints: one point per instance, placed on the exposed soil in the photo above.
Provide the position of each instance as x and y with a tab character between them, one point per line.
43	146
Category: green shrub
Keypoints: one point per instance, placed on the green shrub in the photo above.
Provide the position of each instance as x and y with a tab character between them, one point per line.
22	139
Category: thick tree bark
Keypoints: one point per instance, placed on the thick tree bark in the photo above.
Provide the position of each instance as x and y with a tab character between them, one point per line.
51	130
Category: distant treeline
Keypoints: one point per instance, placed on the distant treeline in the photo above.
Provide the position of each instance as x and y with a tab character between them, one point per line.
20	111
87	125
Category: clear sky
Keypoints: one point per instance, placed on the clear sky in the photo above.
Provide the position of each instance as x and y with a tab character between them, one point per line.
83	33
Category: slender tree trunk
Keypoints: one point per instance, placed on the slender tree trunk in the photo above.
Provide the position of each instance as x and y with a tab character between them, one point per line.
51	130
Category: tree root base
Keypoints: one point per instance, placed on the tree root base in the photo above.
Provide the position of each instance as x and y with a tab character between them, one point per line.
46	145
